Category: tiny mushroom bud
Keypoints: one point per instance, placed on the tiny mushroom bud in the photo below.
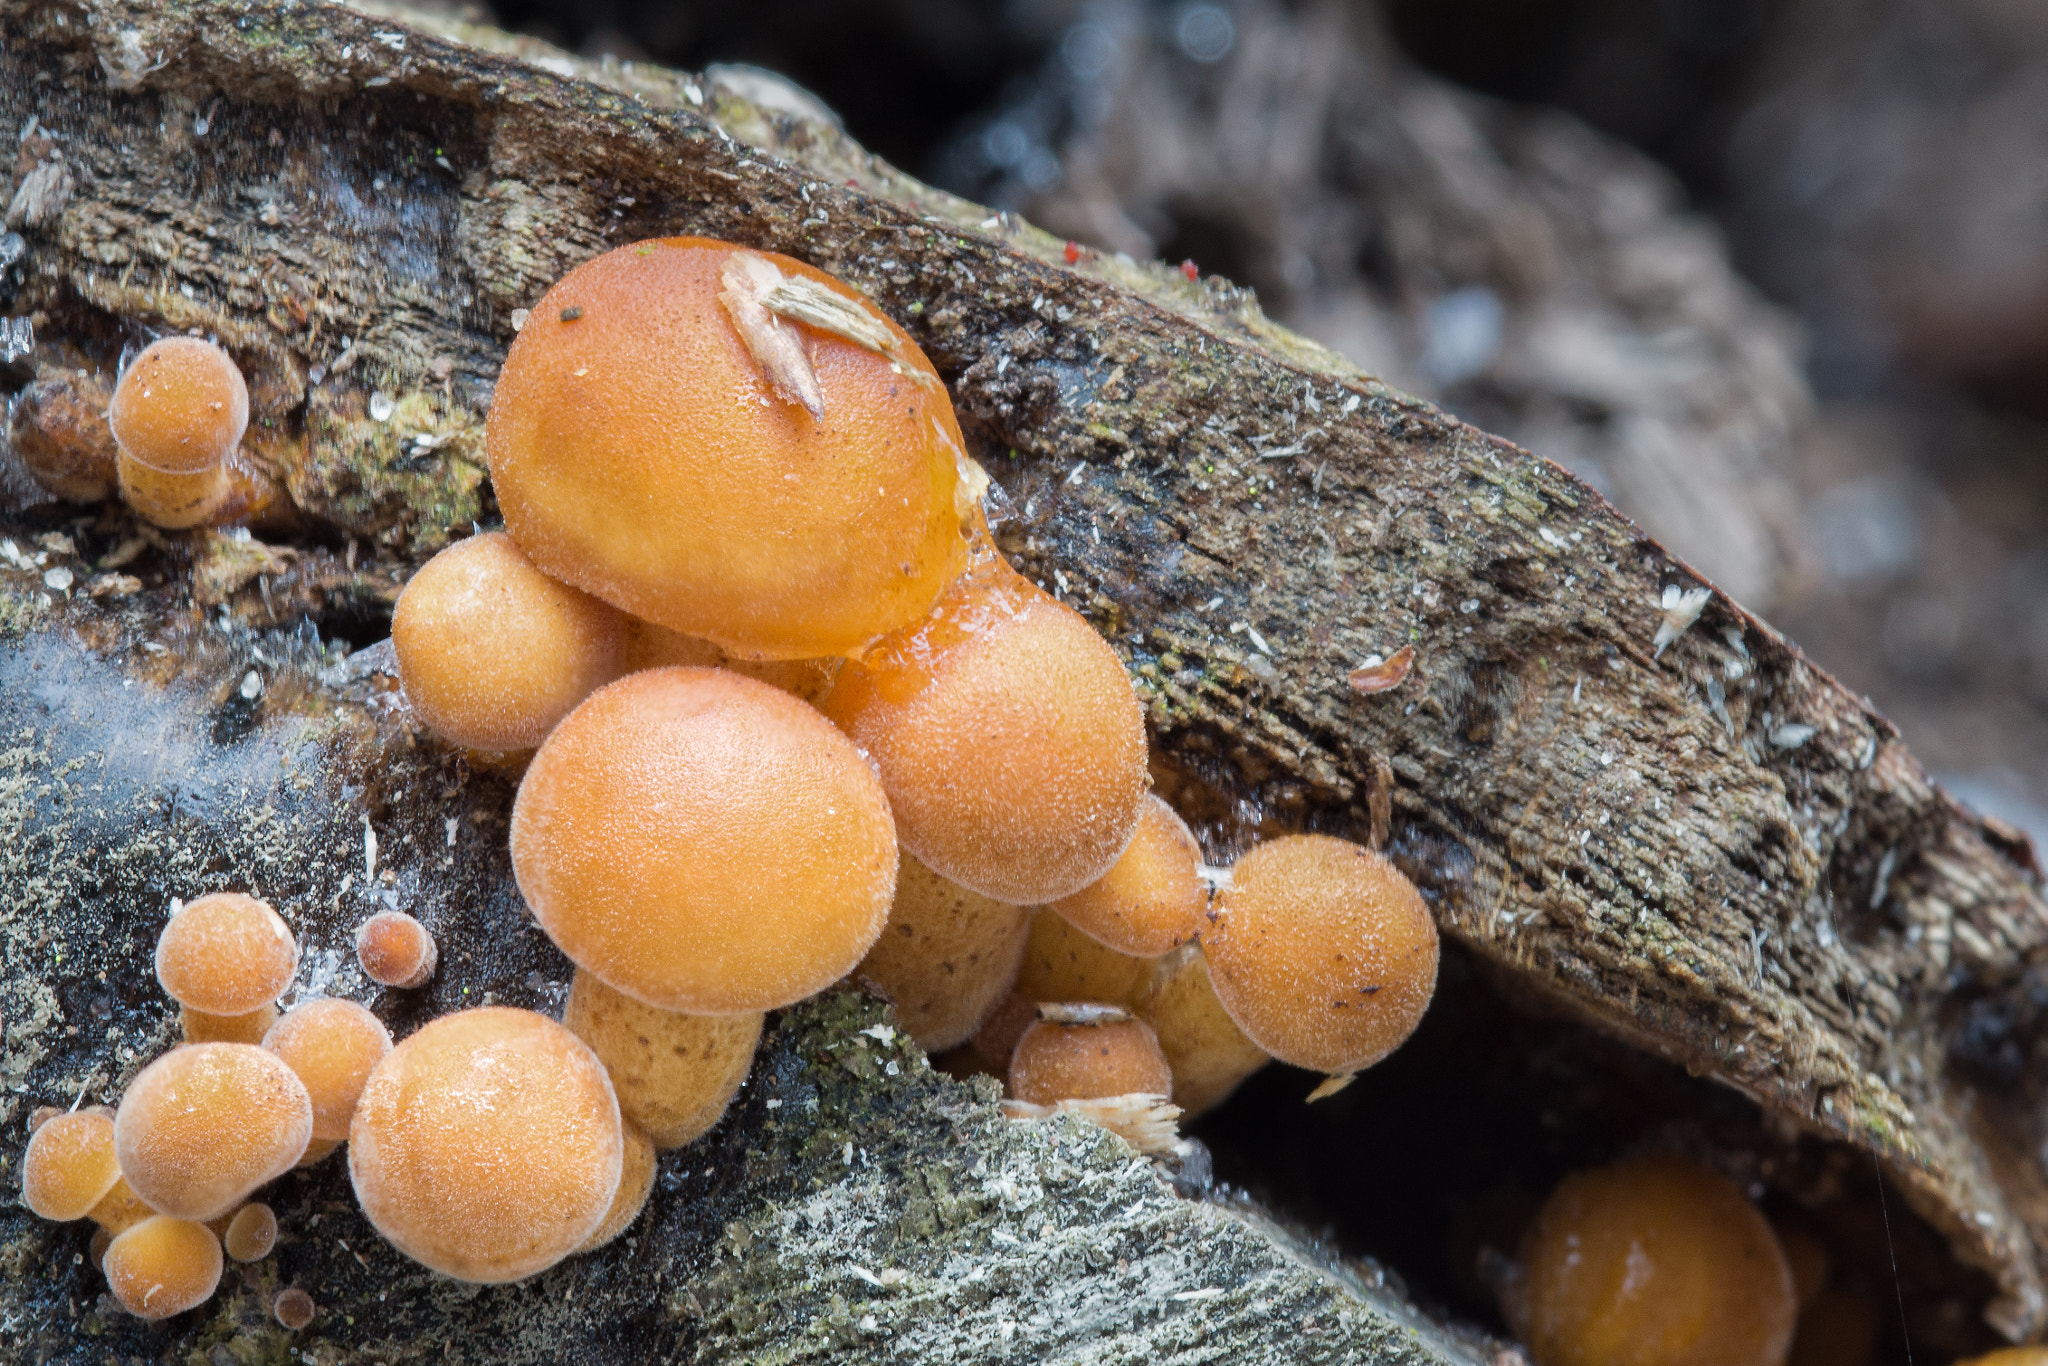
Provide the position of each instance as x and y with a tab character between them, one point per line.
1655	1250
163	1266
226	954
492	653
636	1183
946	956
1087	1053
1209	1054
1007	735
487	1146
1063	964
1153	897
69	1166
178	412
674	1073
790	457
396	951
704	842
332	1045
251	1232
206	1124
293	1309
1323	952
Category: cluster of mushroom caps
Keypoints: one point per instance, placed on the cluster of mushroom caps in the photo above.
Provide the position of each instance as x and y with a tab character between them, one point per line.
248	1096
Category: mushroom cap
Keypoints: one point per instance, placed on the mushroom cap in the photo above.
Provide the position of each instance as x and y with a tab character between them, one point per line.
293	1309
492	653
331	1044
487	1146
69	1165
674	1073
1209	1054
180	407
226	954
395	950
162	1266
251	1233
1153	897
1116	1057
206	1124
947	955
1063	964
773	533
1008	737
1655	1259
1323	952
704	842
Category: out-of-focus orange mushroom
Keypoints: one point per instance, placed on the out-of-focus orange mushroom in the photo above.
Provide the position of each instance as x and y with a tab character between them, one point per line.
791	459
69	1166
396	951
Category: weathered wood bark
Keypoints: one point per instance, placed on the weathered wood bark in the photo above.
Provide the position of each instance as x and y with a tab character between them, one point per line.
1704	846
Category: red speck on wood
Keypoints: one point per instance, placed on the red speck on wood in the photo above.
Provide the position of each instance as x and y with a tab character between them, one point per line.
1389	673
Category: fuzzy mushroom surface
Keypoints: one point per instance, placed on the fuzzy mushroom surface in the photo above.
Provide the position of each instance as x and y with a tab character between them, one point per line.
488	1145
163	1266
675	1074
179	410
69	1166
1323	952
704	842
791	457
946	957
395	950
1088	1053
226	954
206	1124
332	1045
1152	898
492	653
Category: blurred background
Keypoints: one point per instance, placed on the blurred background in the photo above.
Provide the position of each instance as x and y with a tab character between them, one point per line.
1770	274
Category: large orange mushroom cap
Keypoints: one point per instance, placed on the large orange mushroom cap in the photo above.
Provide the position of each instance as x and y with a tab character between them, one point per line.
704	842
487	1146
647	449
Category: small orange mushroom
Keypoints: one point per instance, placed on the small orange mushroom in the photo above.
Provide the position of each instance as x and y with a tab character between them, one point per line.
487	1146
492	653
69	1166
1153	897
674	1074
790	457
293	1309
1008	738
704	842
226	954
163	1266
946	957
1323	952
206	1124
251	1232
1655	1259
177	415
1087	1053
395	950
331	1045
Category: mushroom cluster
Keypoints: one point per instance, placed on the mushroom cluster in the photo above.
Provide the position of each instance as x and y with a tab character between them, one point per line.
785	716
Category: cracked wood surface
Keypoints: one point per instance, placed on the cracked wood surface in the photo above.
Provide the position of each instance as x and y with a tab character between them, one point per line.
1712	850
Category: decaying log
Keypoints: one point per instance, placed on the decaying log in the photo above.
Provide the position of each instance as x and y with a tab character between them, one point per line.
1631	798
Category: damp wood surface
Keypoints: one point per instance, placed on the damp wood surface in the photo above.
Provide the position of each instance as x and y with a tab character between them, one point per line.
1669	826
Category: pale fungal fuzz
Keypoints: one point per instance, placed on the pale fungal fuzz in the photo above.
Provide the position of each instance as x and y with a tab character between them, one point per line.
1682	607
1147	1123
1383	675
749	279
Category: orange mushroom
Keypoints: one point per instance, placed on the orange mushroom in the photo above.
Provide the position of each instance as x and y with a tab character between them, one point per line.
946	957
1008	738
331	1045
636	1183
704	842
1153	897
1063	964
206	1124
251	1232
226	958
163	1266
487	1146
492	653
656	647
674	1074
1323	952
396	951
1087	1053
69	1166
177	415
1209	1054
791	459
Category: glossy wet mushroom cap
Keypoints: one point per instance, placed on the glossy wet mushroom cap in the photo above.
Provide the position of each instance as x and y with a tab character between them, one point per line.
704	842
795	485
1322	951
1152	898
487	1146
69	1166
492	653
1654	1259
675	1074
1088	1054
332	1045
946	957
206	1124
163	1266
1008	737
395	950
226	954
